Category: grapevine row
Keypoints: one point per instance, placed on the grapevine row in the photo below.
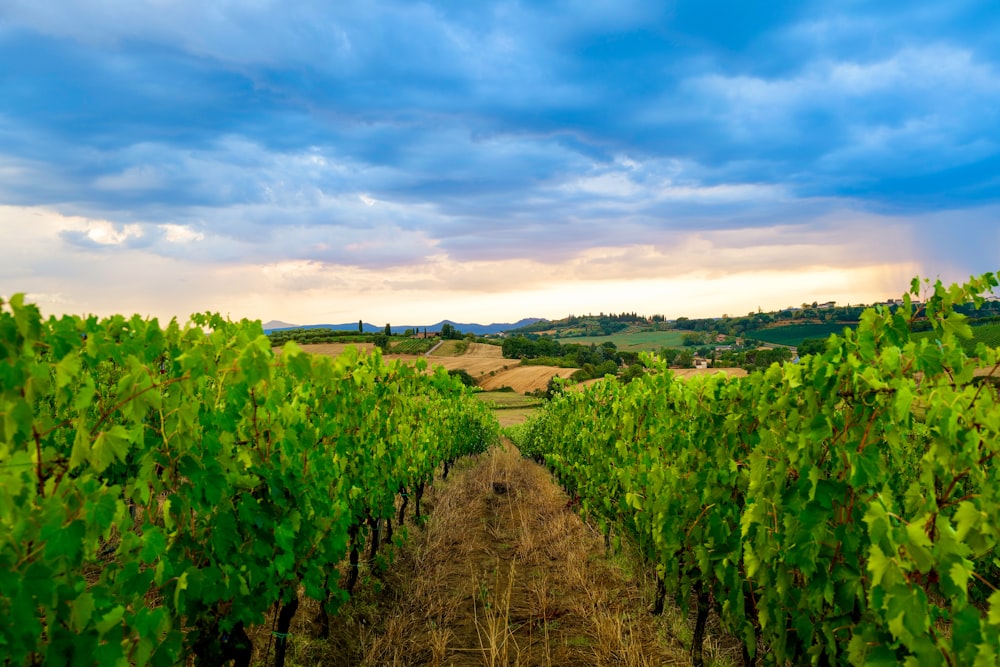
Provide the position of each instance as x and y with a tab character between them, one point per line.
841	510
162	487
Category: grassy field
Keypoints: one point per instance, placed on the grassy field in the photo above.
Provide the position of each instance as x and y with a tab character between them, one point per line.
509	408
412	346
794	334
451	348
506	400
633	342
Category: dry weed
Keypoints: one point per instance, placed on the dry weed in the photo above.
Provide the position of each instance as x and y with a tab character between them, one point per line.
502	573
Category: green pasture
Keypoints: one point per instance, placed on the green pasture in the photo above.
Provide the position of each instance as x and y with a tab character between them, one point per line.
632	342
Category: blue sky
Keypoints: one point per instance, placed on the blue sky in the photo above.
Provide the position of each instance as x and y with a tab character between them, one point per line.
325	162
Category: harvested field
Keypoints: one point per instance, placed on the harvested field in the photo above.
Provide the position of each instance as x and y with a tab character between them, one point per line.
477	367
484	350
461	348
484	363
523	379
478	359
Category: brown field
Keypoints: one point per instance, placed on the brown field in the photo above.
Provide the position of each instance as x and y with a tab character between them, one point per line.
484	363
523	379
484	350
477	367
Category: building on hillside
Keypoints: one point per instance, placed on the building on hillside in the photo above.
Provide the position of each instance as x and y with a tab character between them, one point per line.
828	304
422	335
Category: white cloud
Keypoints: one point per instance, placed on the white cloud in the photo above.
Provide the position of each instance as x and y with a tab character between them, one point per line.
106	233
181	234
845	256
136	178
611	184
935	78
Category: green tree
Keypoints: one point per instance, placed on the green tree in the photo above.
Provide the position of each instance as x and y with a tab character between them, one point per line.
811	346
632	372
388	330
361	326
463	376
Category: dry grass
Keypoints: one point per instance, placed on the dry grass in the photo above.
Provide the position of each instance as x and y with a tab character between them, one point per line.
525	378
502	573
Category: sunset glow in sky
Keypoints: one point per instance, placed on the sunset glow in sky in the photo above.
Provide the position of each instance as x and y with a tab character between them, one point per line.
392	161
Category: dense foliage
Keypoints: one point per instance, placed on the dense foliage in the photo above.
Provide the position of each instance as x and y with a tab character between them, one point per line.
162	487
589	325
842	510
317	335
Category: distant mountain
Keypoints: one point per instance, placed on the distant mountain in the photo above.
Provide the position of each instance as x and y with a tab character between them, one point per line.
479	329
278	324
473	328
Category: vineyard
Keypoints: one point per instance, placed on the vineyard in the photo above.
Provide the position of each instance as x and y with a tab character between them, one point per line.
794	334
162	488
988	333
842	510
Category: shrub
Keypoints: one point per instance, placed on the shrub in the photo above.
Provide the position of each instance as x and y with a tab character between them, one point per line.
464	376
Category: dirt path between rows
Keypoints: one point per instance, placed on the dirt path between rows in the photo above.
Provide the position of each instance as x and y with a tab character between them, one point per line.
502	573
511	576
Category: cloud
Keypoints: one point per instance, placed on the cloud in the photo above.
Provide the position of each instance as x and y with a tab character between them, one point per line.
442	145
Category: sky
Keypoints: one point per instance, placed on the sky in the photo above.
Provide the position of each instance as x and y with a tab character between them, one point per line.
396	161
